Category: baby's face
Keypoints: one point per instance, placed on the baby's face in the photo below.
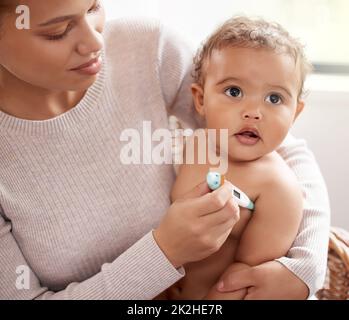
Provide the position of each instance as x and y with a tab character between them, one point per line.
254	94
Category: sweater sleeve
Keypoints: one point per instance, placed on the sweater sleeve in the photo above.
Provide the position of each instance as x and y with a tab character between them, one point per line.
135	274
307	258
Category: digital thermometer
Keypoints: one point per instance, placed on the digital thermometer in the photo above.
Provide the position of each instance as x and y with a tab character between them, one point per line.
215	180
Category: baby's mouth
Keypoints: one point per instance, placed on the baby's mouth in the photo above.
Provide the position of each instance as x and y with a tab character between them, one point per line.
248	136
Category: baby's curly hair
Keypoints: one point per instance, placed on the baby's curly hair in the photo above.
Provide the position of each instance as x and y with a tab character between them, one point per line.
251	33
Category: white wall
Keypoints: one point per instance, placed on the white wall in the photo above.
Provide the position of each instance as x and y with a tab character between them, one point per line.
195	19
324	125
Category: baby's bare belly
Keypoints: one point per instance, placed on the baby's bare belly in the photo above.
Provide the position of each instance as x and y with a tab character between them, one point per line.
202	275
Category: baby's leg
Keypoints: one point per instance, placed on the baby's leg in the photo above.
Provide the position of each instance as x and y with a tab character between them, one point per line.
214	294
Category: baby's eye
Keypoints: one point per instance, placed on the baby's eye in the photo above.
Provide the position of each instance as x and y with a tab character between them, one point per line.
273	99
234	92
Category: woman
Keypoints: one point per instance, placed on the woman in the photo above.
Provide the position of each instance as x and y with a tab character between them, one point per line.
85	225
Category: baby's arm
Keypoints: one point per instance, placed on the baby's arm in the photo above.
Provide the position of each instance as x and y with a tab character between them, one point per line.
271	230
275	222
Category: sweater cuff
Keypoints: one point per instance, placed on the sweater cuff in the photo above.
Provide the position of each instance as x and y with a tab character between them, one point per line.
148	272
305	273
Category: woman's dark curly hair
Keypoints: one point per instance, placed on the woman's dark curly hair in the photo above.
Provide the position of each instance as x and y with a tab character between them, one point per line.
5	8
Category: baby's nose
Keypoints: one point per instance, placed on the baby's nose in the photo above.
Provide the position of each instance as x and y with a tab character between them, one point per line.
252	114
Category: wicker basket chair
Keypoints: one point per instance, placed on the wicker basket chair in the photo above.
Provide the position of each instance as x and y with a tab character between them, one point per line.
337	278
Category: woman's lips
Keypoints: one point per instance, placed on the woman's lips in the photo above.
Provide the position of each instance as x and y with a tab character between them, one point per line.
90	68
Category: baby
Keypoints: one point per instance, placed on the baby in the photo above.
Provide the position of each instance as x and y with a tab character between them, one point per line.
249	78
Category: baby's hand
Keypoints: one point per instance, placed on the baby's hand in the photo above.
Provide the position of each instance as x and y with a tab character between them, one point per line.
240	294
268	281
213	294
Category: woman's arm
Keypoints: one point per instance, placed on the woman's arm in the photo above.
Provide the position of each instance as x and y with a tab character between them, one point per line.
193	228
133	275
307	258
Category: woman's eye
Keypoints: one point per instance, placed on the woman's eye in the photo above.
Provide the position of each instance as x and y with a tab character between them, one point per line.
62	35
233	92
274	99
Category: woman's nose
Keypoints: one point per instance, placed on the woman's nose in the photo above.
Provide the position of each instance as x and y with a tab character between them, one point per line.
92	41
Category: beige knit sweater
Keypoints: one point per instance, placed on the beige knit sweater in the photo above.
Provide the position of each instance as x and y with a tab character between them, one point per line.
80	219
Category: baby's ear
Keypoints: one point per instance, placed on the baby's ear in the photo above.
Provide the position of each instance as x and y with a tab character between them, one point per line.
300	107
198	97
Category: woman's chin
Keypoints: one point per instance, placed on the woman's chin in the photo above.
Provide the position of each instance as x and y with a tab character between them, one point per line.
81	84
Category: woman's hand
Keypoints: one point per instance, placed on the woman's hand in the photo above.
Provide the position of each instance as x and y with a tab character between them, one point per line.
267	281
197	225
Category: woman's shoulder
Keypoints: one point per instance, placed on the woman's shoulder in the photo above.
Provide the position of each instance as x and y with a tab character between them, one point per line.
143	34
128	31
131	47
146	50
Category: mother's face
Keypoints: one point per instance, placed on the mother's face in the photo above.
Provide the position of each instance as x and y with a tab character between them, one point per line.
45	55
